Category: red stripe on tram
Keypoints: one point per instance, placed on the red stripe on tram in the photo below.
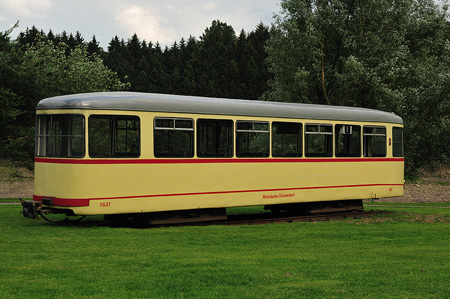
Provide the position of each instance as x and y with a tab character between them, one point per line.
210	161
73	202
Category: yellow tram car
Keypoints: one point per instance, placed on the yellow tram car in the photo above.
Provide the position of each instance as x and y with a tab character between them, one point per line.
125	153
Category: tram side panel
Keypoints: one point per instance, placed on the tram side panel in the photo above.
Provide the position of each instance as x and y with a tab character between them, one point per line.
147	187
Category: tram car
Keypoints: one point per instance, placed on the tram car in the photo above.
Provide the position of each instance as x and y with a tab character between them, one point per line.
139	155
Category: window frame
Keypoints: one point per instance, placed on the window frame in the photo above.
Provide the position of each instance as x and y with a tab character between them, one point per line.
174	128
299	145
113	134
218	123
337	144
253	130
45	135
401	143
368	138
328	142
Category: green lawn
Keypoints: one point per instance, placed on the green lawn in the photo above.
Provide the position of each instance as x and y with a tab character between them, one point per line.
391	256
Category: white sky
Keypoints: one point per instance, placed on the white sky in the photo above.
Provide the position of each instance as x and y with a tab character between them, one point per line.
163	21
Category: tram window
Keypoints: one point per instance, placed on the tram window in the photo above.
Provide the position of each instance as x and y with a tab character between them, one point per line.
174	138
214	138
286	139
348	141
114	136
60	135
374	141
318	140
252	139
397	142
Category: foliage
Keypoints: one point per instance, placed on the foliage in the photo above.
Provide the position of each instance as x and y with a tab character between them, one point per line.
58	73
40	65
382	54
220	64
34	68
13	137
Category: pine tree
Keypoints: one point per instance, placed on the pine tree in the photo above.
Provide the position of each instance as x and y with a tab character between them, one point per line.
259	75
117	58
29	37
217	65
93	48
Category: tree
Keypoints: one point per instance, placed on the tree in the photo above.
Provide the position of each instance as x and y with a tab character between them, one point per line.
251	56
43	70
54	73
219	64
116	58
190	58
93	47
383	54
218	69
30	36
10	102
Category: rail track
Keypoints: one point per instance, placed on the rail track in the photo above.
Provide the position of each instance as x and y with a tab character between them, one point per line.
266	218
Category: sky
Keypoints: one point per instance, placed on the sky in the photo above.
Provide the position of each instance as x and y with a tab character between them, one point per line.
163	21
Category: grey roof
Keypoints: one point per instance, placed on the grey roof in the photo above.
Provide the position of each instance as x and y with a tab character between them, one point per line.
132	101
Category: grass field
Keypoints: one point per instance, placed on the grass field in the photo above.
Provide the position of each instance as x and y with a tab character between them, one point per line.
403	254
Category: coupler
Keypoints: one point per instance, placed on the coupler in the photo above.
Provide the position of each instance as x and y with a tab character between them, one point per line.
31	209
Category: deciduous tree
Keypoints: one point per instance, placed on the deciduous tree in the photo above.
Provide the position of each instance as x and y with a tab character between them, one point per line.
384	54
43	70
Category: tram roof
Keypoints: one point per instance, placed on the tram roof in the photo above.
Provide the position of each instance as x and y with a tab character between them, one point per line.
132	101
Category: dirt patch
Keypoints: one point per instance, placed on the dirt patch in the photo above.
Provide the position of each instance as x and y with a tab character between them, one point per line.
15	182
422	193
406	217
16	190
431	187
440	176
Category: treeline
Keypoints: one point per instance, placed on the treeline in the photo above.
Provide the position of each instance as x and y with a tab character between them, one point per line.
383	54
38	65
219	64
